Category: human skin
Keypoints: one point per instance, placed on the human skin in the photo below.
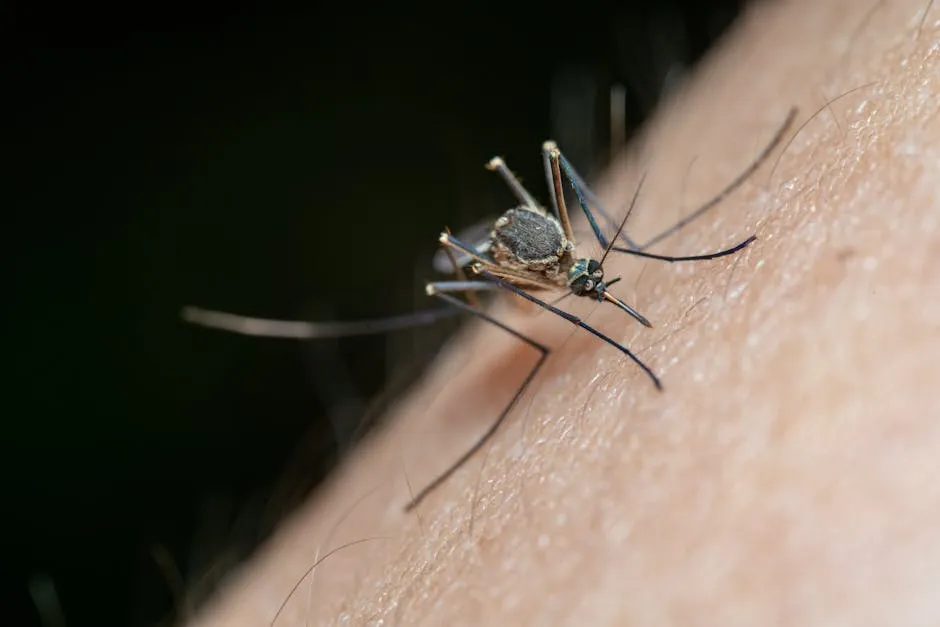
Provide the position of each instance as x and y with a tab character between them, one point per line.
786	474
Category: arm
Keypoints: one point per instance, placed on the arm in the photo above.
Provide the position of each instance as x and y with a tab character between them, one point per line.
788	472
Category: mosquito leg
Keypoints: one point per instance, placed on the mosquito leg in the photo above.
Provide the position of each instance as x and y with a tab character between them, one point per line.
459	274
519	278
479	234
715	255
447	239
440	290
576	180
550	150
556	159
735	184
573	320
584	191
547	147
499	166
300	330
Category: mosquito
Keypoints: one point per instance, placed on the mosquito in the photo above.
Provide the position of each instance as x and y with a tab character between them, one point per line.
527	250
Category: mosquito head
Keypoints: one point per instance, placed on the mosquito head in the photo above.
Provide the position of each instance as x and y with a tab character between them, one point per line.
586	278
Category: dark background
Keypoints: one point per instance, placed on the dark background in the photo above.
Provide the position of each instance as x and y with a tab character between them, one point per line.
293	165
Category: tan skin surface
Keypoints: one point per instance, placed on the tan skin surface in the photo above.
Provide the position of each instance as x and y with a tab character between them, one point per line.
788	474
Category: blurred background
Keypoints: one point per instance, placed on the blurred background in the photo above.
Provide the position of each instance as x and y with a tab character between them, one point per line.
287	165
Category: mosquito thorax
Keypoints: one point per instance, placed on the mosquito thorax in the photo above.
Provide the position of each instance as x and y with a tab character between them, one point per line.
585	277
527	238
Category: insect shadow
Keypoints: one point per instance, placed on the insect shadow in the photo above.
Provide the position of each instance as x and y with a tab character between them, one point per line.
527	250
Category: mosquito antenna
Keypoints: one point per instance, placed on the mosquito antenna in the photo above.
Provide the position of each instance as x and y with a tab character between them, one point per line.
623	222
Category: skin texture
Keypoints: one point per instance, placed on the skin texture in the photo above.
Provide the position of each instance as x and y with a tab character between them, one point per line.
787	475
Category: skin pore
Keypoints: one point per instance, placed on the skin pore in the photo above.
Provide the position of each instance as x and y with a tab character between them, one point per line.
786	475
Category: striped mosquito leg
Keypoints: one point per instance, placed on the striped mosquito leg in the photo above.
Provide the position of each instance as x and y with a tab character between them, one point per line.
442	291
576	179
575	321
